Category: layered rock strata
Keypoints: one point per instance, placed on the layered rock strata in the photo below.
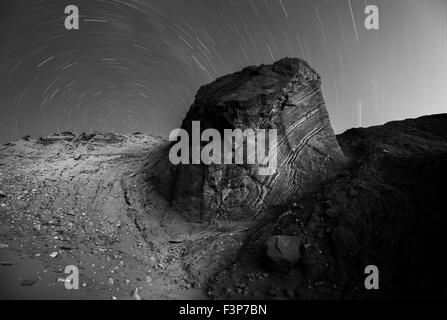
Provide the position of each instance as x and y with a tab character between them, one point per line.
285	96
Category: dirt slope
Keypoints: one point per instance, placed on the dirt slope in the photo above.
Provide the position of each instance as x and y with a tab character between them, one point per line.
87	201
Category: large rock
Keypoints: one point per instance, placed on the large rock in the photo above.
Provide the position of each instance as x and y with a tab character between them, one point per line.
285	96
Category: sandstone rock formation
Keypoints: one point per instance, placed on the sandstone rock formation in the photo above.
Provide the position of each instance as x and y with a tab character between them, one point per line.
285	96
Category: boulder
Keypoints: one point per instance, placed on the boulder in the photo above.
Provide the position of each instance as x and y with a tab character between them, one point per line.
285	96
283	251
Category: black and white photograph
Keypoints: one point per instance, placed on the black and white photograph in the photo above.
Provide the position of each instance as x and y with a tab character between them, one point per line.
236	151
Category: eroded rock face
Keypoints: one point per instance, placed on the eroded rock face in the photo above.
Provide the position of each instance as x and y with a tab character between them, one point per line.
285	96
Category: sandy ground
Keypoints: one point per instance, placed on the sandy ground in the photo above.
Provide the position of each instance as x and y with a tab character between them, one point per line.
84	201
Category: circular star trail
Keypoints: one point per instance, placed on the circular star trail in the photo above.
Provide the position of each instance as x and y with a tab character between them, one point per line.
135	65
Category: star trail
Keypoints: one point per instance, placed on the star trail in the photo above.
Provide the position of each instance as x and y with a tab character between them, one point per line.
135	65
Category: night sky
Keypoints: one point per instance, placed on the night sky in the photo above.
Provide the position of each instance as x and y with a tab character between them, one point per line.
135	65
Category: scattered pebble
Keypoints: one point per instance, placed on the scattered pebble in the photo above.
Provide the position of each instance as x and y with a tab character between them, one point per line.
27	282
136	295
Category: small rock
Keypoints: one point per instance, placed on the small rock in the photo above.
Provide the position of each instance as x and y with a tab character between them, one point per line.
4	246
2	194
148	279
53	254
110	281
37	227
136	295
297	206
284	251
27	282
77	157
